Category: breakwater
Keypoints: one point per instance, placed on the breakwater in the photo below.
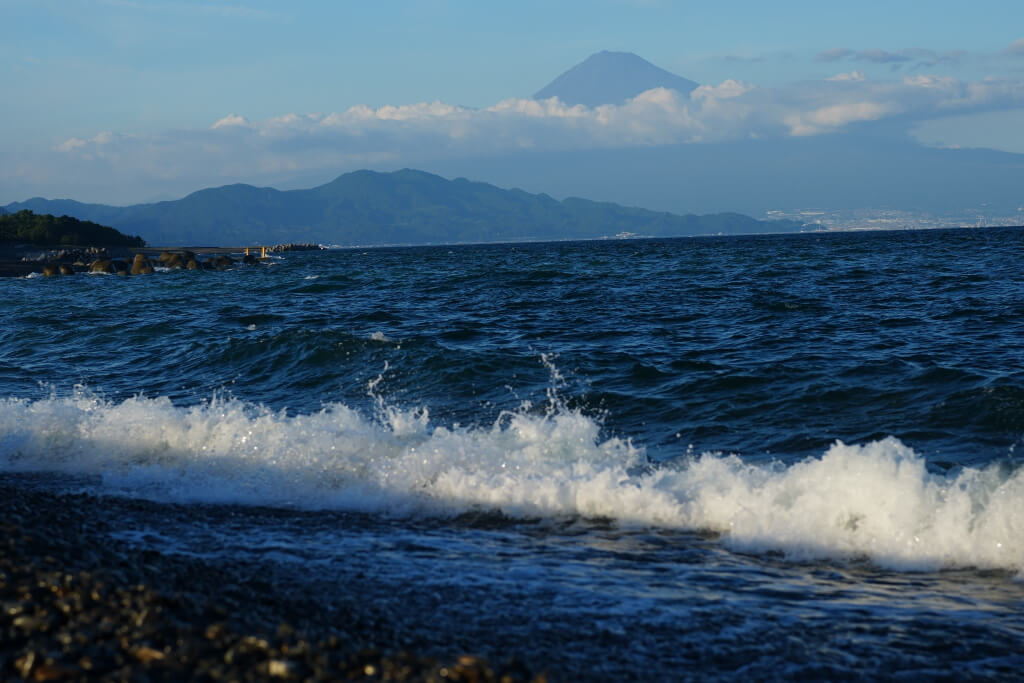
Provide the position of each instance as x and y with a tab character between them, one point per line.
22	261
122	261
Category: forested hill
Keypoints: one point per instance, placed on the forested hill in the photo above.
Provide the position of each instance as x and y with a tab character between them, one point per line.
47	230
402	207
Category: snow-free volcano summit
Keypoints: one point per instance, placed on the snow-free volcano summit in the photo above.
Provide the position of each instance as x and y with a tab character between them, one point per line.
611	78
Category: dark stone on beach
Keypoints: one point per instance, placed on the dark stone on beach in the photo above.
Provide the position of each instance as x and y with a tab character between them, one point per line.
141	265
51	269
193	264
172	259
120	267
250	259
101	266
65	269
221	261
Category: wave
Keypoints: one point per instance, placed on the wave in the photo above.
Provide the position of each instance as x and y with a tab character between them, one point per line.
877	500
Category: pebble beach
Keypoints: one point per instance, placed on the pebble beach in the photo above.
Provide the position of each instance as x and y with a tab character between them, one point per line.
76	606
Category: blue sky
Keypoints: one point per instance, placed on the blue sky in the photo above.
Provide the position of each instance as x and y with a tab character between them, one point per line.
155	74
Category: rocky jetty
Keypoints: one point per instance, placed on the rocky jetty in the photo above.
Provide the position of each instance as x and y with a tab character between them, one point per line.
20	260
115	261
305	246
77	605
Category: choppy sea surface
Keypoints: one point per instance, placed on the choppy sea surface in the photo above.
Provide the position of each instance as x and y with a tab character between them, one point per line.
768	456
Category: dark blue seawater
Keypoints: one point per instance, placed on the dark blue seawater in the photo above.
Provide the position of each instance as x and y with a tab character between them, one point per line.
768	456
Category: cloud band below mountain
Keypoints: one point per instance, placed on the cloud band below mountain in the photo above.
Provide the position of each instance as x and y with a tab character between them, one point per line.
235	148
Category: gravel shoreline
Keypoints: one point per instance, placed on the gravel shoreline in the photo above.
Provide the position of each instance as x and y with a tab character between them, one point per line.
76	605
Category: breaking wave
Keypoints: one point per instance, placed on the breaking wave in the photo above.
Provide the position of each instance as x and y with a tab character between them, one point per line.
877	500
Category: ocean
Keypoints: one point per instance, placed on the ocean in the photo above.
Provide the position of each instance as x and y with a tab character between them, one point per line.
764	456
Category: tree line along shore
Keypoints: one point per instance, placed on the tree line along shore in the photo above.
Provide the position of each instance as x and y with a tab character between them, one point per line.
48	230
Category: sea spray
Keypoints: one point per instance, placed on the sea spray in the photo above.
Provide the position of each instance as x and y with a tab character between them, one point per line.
877	501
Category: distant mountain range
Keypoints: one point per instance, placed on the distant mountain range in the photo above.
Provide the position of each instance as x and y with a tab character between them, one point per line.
402	207
611	78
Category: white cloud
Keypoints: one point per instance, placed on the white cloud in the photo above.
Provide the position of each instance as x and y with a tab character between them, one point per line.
552	107
1016	47
70	145
230	120
831	118
727	90
95	143
848	76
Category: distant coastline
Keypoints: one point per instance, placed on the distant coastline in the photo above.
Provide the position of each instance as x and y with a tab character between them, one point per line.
402	207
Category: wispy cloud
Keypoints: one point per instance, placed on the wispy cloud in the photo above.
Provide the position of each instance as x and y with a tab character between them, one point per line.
739	59
915	57
877	56
194	8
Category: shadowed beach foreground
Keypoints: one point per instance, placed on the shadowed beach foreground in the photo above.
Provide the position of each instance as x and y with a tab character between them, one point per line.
76	605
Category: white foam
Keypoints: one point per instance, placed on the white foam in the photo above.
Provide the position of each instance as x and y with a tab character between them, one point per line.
876	501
